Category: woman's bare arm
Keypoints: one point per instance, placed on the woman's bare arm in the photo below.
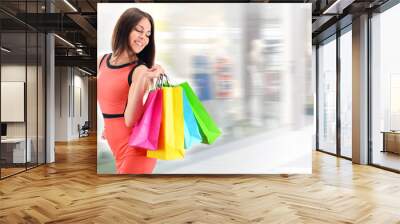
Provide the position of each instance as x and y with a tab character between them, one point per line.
141	81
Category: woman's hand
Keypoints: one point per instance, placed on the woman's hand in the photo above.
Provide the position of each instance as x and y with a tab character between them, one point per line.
158	69
152	73
147	75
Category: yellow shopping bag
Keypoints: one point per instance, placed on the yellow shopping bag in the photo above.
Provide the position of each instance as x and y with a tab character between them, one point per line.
171	138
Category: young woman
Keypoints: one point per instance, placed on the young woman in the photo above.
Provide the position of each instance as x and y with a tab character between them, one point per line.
124	76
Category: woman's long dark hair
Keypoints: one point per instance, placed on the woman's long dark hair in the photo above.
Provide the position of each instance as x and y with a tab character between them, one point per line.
120	38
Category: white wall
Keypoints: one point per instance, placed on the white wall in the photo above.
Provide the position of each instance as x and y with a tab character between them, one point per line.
79	117
15	72
33	127
61	103
70	83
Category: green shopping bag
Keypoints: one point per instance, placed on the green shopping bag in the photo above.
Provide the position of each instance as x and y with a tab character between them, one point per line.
207	126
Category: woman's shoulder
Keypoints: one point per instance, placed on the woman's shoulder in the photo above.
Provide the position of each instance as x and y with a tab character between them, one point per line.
140	65
101	58
139	68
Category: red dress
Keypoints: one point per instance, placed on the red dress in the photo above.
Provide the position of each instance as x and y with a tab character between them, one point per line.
112	94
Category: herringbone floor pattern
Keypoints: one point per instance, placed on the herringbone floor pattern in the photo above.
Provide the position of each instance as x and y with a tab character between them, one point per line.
70	191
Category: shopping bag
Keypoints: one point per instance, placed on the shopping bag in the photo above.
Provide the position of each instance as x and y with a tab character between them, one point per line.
207	126
171	138
145	134
191	130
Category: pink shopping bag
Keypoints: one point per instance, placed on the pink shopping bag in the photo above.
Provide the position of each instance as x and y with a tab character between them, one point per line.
145	133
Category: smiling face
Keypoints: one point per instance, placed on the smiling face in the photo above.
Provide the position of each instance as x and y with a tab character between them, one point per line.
140	35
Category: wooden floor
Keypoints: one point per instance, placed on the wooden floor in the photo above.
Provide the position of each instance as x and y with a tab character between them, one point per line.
70	191
387	159
10	171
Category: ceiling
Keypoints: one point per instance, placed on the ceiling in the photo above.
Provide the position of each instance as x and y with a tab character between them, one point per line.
76	22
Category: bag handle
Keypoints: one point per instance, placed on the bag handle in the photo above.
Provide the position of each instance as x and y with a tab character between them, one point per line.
166	80
161	81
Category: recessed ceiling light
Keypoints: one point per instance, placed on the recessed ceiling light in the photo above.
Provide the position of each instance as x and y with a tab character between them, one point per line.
84	71
337	7
70	5
64	40
5	49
